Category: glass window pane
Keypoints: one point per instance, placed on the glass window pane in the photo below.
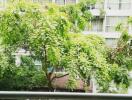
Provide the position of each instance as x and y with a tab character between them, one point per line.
1	3
110	29
113	1
34	0
115	20
125	6
126	1
97	25
60	2
42	1
113	6
99	5
111	42
119	4
46	1
111	22
70	1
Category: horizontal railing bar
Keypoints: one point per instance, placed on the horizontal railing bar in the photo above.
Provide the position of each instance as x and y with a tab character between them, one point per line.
62	95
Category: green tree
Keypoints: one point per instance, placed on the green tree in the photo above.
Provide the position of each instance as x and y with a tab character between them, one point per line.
41	30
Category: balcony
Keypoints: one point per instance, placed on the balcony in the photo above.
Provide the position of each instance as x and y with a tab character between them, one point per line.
61	96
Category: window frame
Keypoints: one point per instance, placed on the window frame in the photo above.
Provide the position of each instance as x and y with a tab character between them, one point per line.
119	4
116	22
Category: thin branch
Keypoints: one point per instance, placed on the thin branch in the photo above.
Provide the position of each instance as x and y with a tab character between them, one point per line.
59	76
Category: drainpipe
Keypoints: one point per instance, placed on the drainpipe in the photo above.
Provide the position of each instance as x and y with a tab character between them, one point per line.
94	85
104	23
17	60
130	87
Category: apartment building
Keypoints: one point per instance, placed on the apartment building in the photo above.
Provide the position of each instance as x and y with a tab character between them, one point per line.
108	14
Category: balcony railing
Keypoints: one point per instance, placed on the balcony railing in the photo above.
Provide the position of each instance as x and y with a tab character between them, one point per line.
61	96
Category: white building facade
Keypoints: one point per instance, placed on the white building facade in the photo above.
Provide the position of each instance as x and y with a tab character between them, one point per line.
113	13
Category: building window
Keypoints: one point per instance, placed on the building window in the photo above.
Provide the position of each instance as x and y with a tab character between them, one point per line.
125	4
42	1
2	3
113	21
111	42
38	64
96	25
119	4
60	2
70	1
113	4
98	5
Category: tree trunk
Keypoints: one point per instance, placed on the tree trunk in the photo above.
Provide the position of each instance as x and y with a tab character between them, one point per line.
50	86
50	82
45	68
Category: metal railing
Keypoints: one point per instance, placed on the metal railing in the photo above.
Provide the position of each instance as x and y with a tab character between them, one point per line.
61	96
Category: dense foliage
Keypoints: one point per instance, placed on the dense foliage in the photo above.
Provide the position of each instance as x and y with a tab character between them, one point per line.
19	78
37	29
86	58
49	34
122	55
